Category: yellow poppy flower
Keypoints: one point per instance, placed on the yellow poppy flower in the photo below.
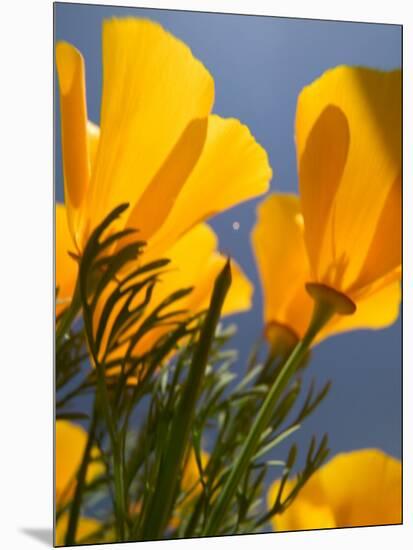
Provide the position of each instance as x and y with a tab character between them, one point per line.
348	139
86	529
345	230
70	444
284	269
353	489
158	148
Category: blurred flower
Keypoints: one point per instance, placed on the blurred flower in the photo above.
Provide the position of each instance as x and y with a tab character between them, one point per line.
191	476
86	529
283	266
158	148
348	139
353	489
70	444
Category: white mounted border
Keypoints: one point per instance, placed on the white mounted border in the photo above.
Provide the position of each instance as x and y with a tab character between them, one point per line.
26	206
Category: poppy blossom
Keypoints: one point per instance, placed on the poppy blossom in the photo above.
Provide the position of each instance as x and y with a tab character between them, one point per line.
348	139
158	148
70	445
342	236
357	488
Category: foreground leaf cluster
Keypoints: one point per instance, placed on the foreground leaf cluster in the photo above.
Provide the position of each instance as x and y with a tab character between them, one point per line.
176	412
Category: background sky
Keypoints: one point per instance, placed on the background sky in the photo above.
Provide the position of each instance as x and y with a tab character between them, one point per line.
259	65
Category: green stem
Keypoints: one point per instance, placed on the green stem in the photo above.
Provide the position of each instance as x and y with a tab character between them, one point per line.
104	403
120	493
74	513
162	499
323	311
118	462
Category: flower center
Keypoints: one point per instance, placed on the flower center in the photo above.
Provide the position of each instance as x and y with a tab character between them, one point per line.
341	303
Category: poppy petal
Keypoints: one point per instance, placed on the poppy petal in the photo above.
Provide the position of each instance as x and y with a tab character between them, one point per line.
352	209
195	262
86	527
159	197
232	168
385	251
375	311
74	122
93	134
152	88
363	487
320	172
70	445
279	249
66	267
357	488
